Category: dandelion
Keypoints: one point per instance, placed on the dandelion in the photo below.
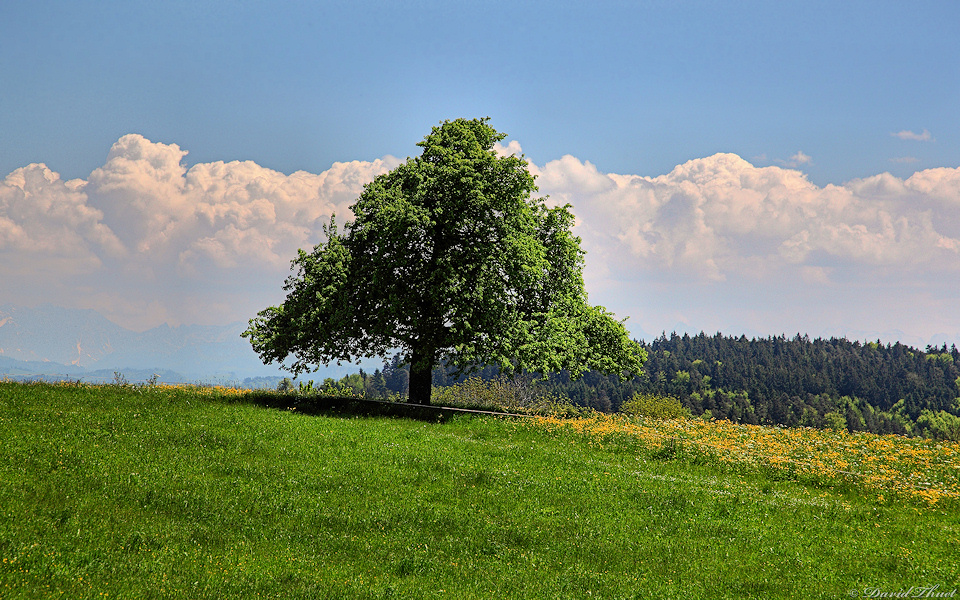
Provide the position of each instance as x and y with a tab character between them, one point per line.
915	468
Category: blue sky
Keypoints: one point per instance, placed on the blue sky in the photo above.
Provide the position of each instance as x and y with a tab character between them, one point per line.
631	86
833	94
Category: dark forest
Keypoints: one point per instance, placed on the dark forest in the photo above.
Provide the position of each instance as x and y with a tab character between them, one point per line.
824	383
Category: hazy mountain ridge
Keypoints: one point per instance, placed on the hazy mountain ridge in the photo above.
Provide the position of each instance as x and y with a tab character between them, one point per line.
51	334
49	339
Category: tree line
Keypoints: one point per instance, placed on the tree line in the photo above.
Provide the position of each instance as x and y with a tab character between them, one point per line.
823	383
890	388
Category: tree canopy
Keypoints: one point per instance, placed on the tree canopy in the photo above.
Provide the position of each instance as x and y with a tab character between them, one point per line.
451	259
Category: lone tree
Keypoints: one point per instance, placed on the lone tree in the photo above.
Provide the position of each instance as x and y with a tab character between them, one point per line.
450	259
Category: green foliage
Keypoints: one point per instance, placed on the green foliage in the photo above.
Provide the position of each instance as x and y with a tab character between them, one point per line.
833	420
943	357
347	387
939	425
880	388
656	406
505	394
339	389
450	258
354	384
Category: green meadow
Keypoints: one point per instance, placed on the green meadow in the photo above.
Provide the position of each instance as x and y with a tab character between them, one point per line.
153	492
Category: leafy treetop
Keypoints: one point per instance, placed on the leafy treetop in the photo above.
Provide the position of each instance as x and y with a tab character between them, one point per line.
450	258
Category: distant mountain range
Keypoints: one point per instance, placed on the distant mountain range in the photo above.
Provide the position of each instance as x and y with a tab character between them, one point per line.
50	340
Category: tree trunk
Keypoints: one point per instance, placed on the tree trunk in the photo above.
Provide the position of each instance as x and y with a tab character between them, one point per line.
421	375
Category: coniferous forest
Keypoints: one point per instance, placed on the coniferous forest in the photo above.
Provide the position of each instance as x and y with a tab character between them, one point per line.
824	383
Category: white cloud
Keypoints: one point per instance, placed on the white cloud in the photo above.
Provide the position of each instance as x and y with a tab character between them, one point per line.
715	243
163	237
46	224
796	160
512	148
719	216
718	224
909	135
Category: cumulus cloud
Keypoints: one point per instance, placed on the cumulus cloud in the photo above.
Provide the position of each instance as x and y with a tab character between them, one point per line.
218	214
510	149
145	240
721	215
46	223
720	222
909	135
796	160
151	229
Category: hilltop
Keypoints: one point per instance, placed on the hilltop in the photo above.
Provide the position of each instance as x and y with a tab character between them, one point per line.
146	491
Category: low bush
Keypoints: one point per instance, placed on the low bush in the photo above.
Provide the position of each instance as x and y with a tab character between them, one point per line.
504	394
656	406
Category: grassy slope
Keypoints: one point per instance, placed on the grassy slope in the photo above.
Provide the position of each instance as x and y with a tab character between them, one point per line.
163	493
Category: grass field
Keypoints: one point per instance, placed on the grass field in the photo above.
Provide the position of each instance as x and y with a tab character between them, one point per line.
149	492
